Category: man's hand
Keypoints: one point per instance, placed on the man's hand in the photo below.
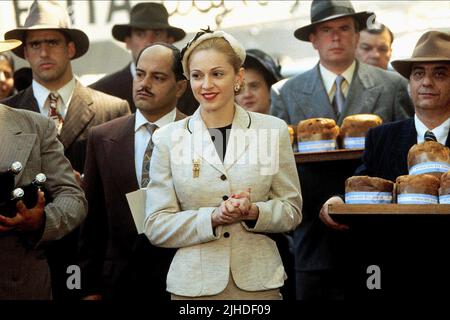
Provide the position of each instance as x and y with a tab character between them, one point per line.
325	217
25	219
78	178
92	297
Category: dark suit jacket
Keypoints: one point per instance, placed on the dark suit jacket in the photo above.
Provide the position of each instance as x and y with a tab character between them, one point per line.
31	139
120	84
87	108
372	90
109	240
409	250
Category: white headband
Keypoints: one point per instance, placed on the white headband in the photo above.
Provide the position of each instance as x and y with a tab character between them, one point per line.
235	45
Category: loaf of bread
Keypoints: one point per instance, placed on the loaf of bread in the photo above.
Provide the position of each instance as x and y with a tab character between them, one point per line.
417	189
317	134
429	157
291	133
354	129
444	189
365	189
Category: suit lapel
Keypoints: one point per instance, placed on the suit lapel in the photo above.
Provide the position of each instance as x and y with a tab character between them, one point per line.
363	93
202	144
406	138
238	140
79	114
315	101
28	101
120	148
18	144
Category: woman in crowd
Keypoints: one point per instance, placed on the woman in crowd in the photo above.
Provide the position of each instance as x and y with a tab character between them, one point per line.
6	75
261	72
221	180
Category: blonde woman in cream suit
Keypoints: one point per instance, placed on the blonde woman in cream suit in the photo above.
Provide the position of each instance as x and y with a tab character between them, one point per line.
217	207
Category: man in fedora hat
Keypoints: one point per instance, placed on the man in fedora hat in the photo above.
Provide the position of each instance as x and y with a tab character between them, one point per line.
49	45
148	24
387	146
420	270
338	86
30	138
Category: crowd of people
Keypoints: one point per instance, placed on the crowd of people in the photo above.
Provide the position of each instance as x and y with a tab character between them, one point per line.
204	130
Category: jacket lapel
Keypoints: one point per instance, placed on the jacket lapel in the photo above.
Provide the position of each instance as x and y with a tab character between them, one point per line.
238	140
406	138
363	93
79	114
315	101
28	101
120	148
202	144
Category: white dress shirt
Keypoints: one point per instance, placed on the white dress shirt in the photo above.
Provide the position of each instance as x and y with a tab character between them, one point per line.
65	93
142	137
440	132
329	80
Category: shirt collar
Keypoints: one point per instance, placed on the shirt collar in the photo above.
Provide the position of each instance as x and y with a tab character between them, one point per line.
166	119
329	77
41	93
133	69
440	132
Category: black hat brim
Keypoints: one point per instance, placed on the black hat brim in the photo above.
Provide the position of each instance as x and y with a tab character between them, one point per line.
361	17
120	31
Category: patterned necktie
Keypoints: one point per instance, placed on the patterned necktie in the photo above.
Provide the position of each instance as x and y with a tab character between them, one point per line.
55	110
339	99
429	136
151	127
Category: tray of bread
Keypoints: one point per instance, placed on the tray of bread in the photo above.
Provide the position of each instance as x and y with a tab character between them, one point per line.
425	190
320	139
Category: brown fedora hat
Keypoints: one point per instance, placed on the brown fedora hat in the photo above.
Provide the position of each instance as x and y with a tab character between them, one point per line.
433	46
147	16
7	45
326	10
49	15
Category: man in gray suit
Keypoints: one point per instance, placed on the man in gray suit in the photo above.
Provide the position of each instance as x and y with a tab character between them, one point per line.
49	45
30	138
338	86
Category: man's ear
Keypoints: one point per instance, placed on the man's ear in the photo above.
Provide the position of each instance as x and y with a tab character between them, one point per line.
181	88
312	39
72	50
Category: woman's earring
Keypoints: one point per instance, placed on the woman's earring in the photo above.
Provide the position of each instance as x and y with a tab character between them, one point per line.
237	87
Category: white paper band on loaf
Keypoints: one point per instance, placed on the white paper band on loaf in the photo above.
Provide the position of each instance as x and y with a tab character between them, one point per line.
428	167
368	197
416	198
445	199
354	143
316	146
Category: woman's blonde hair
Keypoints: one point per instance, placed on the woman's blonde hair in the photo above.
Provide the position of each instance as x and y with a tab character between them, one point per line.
221	45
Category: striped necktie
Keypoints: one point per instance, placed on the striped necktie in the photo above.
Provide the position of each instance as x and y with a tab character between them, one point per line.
145	178
55	110
429	136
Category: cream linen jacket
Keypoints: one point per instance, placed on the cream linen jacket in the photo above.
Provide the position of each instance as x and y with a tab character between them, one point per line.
179	204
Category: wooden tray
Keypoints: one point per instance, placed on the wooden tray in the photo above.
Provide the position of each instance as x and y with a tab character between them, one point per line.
388	209
340	154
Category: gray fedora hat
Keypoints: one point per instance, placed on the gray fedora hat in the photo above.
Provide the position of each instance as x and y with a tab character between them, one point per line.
49	15
433	46
147	16
326	10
